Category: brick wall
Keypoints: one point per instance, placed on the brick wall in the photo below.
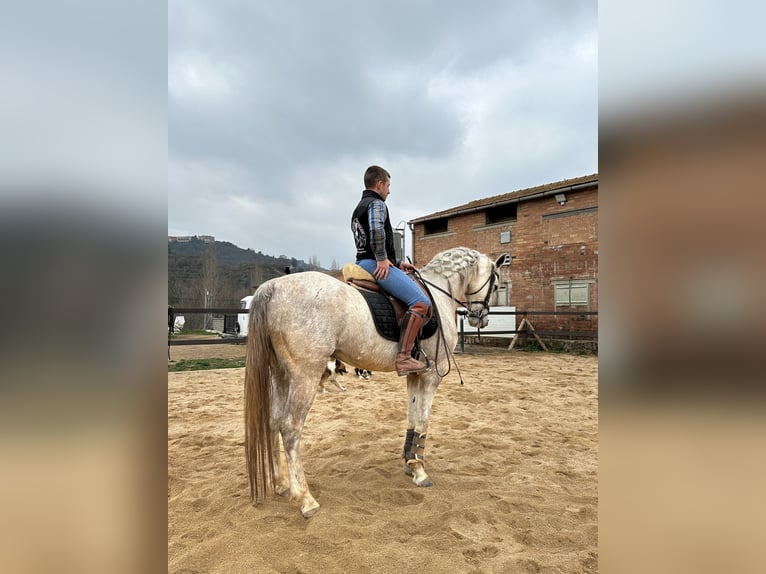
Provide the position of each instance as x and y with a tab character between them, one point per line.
549	243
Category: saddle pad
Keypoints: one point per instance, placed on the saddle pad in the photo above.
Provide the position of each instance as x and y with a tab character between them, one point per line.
384	316
354	271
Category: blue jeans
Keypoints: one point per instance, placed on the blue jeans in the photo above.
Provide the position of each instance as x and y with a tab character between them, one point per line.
398	284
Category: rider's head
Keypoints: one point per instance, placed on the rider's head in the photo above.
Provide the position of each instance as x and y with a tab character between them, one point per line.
375	174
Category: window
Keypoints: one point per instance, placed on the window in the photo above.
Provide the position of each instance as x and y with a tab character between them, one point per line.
501	213
435	226
571	294
500	297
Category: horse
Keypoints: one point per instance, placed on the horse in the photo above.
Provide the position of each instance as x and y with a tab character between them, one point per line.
299	322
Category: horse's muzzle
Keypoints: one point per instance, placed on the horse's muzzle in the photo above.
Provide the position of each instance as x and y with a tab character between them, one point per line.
478	316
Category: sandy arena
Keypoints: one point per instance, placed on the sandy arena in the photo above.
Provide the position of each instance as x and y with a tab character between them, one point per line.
513	455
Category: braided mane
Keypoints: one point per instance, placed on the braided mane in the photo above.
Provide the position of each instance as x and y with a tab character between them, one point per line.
449	262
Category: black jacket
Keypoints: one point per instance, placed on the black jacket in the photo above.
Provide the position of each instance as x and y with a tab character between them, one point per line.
360	227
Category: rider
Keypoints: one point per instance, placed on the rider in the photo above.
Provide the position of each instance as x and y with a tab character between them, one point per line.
374	239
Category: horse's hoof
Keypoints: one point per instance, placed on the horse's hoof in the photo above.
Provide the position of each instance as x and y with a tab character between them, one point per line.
407	469
310	512
421	479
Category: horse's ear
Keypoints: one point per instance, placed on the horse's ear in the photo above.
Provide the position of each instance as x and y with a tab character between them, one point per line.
503	260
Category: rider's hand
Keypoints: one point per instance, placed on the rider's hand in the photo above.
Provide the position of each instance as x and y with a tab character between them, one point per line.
407	267
381	269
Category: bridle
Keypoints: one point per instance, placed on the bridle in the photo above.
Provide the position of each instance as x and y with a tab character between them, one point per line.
484	304
484	310
493	277
467	304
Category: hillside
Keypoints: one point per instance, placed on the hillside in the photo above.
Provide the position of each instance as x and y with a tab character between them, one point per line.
229	255
220	273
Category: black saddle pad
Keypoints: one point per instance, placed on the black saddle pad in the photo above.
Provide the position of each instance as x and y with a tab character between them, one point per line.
384	316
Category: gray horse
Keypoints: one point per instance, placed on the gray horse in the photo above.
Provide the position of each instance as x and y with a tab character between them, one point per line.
299	322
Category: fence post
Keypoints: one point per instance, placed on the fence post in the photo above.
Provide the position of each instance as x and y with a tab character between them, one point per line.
171	325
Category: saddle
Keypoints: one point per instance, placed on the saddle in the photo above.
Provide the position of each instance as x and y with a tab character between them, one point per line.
387	311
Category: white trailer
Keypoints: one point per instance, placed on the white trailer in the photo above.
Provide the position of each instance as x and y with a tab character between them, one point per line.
242	318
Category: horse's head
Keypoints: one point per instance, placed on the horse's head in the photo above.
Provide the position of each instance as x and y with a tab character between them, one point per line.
480	289
478	280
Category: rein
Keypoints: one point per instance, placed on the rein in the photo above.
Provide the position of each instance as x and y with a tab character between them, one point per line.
484	304
438	319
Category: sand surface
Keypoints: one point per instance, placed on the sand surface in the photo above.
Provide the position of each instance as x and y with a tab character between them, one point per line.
513	455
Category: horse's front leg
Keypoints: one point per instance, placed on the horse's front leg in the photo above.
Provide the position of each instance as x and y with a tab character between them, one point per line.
421	389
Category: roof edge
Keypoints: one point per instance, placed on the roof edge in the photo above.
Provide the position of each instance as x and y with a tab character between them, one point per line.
517	196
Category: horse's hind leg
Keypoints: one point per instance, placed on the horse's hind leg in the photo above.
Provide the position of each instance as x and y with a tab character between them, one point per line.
299	402
281	477
279	401
299	489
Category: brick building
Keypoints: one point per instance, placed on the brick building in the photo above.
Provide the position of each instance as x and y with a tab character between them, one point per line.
551	233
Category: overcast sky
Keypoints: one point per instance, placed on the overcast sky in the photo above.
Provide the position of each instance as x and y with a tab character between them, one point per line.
275	110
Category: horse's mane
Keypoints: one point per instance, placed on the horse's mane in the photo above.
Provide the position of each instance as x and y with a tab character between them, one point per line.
451	261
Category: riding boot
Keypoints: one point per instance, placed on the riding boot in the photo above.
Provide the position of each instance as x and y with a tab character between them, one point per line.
413	320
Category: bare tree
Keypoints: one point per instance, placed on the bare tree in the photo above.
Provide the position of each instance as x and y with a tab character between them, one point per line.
210	281
256	276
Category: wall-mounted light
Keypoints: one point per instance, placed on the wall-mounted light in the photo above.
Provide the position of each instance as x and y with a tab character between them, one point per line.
561	198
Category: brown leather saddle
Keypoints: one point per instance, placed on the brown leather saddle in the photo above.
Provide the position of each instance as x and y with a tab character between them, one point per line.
387	311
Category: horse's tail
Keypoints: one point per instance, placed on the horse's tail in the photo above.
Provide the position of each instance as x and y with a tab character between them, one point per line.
260	358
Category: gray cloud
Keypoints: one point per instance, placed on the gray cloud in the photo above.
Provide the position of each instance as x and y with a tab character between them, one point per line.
276	109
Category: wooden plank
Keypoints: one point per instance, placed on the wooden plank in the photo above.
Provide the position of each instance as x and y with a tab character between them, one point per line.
526	324
539	340
516	335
